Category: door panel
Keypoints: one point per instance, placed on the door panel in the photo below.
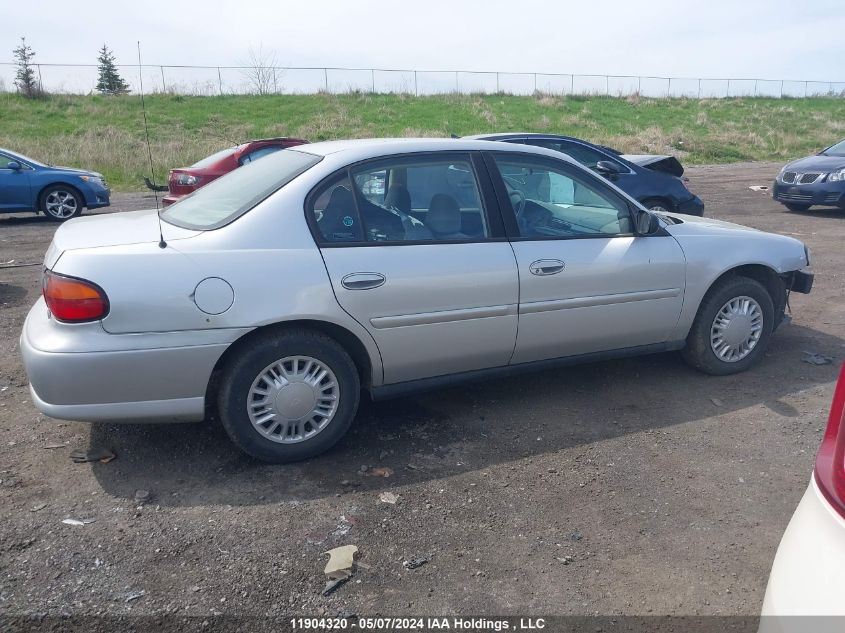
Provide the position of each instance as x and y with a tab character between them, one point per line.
612	293
587	283
442	308
14	187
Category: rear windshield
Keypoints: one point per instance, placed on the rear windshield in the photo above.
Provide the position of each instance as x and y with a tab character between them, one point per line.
210	160
227	198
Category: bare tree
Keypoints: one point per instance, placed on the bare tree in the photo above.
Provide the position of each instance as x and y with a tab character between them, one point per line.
260	71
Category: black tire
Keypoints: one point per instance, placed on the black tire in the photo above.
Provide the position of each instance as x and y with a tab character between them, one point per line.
657	204
698	352
796	207
49	204
257	354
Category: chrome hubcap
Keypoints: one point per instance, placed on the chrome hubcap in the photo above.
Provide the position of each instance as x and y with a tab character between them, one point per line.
293	399
736	330
61	204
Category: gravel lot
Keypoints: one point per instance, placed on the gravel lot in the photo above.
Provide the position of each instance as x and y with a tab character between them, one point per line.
668	489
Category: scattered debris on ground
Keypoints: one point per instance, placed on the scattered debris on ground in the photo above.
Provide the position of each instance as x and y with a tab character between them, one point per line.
134	595
717	402
142	496
413	563
388	497
377	471
81	456
814	358
339	567
78	522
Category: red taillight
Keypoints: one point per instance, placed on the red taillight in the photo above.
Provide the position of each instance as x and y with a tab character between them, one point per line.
830	462
73	300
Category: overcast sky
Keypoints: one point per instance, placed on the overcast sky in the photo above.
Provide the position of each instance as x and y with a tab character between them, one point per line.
778	39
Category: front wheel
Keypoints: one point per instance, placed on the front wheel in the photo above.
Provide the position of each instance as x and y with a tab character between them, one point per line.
61	203
288	396
732	328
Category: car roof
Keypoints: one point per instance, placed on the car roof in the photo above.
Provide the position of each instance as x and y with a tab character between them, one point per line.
501	135
362	149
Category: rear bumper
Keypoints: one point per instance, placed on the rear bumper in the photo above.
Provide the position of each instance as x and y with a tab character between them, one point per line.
826	194
693	206
80	372
809	569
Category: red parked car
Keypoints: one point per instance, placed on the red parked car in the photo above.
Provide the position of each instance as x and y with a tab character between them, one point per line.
188	179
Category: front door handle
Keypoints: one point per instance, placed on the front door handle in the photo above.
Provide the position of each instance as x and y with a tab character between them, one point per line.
543	267
362	281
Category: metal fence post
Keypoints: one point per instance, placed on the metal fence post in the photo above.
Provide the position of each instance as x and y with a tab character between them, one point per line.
219	80
163	85
535	82
669	88
639	85
40	82
572	84
781	88
416	88
755	87
830	89
373	74
728	91
326	78
699	88
497	83
805	89
457	87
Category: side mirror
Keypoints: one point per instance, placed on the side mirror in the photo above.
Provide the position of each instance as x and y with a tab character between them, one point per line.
607	168
15	165
647	224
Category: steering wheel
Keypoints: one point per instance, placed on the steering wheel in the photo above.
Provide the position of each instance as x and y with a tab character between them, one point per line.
517	201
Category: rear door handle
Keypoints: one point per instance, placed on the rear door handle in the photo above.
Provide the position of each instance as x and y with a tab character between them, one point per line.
362	281
543	267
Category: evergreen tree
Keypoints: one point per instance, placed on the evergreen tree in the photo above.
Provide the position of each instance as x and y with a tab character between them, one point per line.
25	73
110	82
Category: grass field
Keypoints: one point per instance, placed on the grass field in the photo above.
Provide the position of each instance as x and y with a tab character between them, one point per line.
106	133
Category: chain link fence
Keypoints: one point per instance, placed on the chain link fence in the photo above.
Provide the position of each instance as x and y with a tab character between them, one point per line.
222	80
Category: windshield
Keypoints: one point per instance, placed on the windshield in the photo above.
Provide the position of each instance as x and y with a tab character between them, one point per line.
31	161
210	160
229	197
836	150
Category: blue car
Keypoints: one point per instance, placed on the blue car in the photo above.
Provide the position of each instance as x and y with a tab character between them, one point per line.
813	181
653	180
59	192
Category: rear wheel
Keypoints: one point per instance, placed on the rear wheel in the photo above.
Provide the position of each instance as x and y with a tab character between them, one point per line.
732	328
796	207
288	395
60	202
657	204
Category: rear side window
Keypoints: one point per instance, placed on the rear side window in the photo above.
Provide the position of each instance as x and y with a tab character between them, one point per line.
582	153
404	199
232	195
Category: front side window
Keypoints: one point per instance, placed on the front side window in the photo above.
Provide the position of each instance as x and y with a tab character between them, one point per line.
584	154
405	199
227	198
556	201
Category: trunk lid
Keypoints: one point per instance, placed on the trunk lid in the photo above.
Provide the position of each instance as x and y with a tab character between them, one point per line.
113	229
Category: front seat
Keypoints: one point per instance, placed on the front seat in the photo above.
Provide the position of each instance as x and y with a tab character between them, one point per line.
398	198
444	218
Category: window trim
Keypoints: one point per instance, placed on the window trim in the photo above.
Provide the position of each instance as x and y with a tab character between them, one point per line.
489	202
511	225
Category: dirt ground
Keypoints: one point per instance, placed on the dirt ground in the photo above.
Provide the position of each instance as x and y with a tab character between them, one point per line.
628	487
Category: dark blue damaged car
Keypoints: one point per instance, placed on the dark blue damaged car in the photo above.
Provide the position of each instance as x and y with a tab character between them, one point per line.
654	180
813	181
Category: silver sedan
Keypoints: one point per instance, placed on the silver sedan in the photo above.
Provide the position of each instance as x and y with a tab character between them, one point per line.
278	293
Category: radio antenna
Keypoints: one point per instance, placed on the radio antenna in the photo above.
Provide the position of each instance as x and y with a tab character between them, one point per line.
161	242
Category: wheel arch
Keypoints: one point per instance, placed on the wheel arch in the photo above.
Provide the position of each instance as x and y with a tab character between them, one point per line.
765	275
39	199
347	339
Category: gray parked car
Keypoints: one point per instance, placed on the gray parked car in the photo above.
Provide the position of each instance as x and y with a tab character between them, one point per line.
279	291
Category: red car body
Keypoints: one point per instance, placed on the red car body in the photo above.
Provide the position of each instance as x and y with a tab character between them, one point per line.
186	180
